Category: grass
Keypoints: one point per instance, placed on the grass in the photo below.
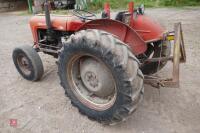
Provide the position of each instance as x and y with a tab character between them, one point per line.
120	4
97	5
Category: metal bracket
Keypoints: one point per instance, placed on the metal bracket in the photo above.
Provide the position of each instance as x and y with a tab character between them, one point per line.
179	56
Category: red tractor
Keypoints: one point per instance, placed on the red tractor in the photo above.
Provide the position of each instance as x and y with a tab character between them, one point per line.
102	63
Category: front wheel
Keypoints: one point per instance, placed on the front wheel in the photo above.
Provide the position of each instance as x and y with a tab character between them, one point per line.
101	76
28	63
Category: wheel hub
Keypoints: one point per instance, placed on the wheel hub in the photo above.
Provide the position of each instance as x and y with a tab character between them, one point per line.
91	80
96	77
24	61
24	64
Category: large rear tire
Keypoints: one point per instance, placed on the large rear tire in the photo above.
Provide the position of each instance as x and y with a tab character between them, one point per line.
100	50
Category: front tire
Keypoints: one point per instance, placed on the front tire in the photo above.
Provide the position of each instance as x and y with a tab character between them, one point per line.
28	63
97	50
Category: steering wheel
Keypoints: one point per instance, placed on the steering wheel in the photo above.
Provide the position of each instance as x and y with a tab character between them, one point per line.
83	14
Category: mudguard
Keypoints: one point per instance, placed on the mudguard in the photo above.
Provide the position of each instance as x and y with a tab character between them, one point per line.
147	28
121	30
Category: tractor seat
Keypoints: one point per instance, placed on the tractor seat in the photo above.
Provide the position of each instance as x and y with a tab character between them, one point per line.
119	16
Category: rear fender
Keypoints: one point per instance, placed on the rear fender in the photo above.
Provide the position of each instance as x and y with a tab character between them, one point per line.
147	28
122	31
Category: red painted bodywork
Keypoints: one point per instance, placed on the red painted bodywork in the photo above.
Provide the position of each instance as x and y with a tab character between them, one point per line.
147	28
131	10
60	23
107	9
121	30
137	34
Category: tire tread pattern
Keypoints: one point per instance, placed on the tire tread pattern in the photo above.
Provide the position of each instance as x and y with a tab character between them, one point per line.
133	83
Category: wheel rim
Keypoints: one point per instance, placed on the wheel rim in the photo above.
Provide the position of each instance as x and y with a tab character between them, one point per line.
91	82
24	64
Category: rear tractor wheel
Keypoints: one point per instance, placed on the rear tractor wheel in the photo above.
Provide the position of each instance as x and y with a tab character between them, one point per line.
101	76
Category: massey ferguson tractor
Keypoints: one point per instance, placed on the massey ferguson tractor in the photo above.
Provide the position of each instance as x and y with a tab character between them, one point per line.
103	62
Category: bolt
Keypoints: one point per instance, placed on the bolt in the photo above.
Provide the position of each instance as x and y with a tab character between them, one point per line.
79	77
94	83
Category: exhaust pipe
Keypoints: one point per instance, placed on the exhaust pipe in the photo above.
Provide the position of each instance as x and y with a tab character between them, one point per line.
48	21
47	14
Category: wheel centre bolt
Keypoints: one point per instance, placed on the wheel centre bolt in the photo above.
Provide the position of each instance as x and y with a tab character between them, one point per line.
91	79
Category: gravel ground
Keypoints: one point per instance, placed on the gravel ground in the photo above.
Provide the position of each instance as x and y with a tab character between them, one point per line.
43	107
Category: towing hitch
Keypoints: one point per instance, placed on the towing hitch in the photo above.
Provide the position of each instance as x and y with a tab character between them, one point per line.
179	56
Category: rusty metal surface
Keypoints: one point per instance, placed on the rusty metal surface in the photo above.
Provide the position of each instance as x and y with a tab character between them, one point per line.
160	59
179	56
183	52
